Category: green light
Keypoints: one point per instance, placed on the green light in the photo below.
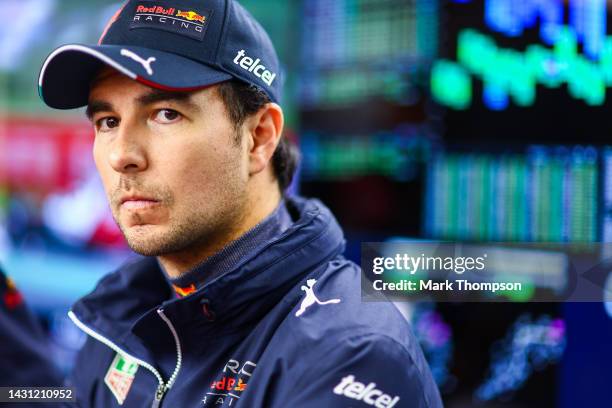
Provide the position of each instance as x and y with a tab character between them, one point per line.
451	85
517	73
354	155
520	296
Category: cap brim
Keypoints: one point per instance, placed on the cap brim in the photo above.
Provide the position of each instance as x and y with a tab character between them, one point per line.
67	73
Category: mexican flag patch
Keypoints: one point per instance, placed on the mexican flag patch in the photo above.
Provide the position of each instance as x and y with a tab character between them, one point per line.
120	376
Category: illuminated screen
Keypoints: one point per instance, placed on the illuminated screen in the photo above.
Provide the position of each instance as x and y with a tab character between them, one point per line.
362	107
355	49
532	70
547	194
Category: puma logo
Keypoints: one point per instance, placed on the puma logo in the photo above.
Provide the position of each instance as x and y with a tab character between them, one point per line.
145	63
311	298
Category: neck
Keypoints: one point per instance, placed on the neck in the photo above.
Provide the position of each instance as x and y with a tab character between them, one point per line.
179	263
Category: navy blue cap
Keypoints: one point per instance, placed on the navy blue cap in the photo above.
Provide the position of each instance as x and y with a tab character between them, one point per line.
174	45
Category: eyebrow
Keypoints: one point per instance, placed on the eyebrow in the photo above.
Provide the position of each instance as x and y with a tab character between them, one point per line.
154	96
97	106
159	96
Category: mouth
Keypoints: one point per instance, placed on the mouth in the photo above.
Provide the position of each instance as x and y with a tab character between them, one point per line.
136	202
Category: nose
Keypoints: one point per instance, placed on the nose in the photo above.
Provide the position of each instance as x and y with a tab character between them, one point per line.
128	151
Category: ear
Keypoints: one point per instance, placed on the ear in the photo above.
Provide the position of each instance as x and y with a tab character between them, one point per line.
264	132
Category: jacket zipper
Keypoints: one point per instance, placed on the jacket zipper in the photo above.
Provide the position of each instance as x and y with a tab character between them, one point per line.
162	388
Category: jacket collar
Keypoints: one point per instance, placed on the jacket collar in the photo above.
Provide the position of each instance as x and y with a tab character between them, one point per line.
125	301
233	253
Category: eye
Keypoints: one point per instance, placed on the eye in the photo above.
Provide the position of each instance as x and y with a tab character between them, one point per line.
106	124
166	116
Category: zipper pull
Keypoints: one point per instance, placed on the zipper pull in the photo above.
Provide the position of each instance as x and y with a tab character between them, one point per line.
159	395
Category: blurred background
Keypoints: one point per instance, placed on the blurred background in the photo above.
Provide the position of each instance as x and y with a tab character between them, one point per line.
470	120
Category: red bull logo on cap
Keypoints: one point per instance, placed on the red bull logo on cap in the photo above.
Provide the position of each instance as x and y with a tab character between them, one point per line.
191	23
156	10
191	16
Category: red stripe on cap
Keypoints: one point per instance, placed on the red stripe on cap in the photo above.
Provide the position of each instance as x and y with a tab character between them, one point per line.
170	88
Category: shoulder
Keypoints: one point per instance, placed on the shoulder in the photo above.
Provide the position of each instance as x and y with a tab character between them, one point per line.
344	348
329	317
330	307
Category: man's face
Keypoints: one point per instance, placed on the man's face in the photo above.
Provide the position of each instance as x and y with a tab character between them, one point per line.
173	172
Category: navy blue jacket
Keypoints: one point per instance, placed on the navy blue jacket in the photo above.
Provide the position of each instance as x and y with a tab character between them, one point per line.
24	348
285	328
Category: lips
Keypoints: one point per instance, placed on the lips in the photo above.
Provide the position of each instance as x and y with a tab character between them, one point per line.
136	202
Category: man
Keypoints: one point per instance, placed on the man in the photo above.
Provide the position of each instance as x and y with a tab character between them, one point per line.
243	298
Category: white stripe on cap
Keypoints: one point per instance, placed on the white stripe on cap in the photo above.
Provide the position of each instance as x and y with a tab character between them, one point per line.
85	50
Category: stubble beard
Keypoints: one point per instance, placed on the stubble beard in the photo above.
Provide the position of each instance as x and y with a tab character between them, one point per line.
196	231
204	226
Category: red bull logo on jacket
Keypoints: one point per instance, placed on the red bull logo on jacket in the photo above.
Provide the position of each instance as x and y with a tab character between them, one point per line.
229	387
182	292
